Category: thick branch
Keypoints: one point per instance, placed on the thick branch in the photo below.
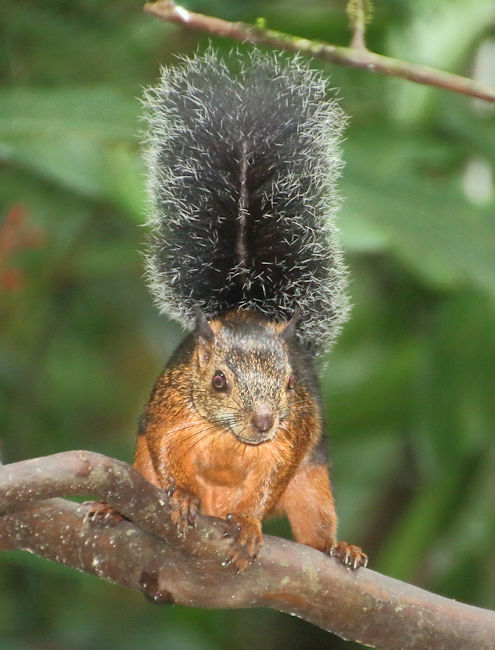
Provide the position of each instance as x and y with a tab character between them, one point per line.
363	605
356	57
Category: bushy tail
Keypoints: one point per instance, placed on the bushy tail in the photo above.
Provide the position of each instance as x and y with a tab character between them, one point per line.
242	169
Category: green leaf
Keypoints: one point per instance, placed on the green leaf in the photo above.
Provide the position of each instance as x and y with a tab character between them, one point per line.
445	240
454	385
124	180
69	135
468	535
427	37
401	555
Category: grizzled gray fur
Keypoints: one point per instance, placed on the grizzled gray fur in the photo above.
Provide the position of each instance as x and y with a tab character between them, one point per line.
243	161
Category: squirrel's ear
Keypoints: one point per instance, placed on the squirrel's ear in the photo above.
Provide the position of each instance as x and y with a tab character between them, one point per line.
289	330
203	329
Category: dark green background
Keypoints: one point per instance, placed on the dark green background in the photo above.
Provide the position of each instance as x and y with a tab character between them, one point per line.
409	387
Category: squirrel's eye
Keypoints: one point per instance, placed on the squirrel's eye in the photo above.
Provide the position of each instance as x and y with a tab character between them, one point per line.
219	381
291	383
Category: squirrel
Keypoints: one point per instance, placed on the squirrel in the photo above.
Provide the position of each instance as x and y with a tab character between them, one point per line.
242	163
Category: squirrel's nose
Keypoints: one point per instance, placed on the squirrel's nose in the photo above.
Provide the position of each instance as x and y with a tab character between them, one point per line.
262	419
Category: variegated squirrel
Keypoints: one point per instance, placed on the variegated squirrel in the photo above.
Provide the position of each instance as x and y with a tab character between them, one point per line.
243	161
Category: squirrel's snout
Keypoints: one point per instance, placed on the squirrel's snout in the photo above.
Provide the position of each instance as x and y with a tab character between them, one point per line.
262	419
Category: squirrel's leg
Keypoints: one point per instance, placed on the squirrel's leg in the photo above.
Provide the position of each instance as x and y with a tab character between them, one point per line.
309	505
247	540
183	503
142	459
245	516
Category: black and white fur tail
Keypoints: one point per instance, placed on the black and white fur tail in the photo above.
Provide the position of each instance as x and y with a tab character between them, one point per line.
242	171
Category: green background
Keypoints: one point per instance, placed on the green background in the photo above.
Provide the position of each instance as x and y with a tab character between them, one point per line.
409	387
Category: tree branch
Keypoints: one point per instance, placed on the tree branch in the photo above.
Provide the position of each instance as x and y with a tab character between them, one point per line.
150	557
356	57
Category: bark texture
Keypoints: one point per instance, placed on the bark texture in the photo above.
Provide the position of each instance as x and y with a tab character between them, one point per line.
146	554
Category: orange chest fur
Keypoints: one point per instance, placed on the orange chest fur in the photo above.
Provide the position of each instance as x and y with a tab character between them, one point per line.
222	470
213	455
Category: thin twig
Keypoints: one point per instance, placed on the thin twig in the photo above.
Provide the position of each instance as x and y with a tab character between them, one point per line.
355	57
359	12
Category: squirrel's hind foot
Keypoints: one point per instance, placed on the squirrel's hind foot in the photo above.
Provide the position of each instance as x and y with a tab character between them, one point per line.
184	509
101	514
247	541
351	556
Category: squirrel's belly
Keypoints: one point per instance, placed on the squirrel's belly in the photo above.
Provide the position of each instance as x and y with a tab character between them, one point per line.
223	472
222	466
219	485
219	501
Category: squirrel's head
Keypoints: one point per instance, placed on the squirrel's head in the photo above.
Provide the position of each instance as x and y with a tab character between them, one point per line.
244	380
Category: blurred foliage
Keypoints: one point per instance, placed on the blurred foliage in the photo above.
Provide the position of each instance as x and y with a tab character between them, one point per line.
409	388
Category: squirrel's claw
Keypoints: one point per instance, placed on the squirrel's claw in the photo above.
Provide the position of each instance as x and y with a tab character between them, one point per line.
351	556
184	509
247	541
101	514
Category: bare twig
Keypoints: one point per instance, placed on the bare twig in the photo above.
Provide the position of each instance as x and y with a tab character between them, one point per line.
356	57
359	12
363	606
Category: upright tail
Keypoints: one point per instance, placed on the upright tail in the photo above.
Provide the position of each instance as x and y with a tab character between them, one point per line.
242	171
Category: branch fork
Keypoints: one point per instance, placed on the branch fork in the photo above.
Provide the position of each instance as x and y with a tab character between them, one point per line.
147	555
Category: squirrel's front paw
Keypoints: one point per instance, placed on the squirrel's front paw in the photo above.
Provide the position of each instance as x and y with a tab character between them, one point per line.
351	556
101	514
184	509
246	543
